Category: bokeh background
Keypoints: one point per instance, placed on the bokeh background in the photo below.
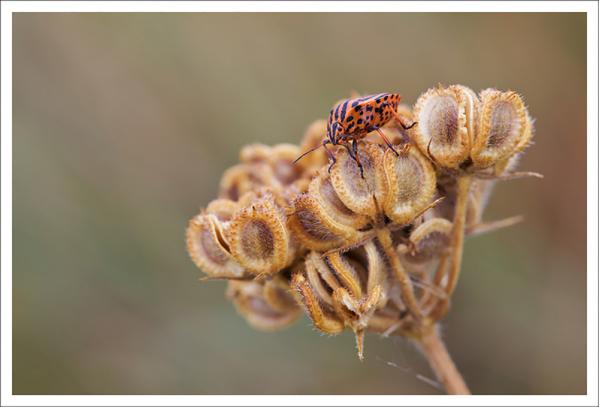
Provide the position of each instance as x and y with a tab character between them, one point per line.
123	124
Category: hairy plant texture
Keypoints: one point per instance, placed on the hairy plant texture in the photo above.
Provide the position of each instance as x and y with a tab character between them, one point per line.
376	248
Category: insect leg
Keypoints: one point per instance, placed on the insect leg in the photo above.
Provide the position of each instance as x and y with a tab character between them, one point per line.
354	146
400	120
329	154
386	141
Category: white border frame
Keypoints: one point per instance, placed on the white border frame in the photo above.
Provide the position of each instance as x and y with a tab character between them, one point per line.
7	8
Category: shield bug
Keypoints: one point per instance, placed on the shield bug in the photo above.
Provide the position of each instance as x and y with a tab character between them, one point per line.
352	119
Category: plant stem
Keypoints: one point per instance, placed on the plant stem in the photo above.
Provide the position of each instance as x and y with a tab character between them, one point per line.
457	246
459	224
440	361
405	284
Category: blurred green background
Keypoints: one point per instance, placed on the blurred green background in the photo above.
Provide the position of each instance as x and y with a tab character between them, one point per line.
123	124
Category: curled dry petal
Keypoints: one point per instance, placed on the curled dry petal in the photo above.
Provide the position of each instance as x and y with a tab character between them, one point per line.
259	239
266	306
208	248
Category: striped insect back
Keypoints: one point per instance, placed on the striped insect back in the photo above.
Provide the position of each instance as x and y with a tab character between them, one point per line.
354	118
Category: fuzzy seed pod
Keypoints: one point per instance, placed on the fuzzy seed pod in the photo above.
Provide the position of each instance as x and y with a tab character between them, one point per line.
259	239
322	190
504	128
316	228
266	306
281	197
209	249
343	290
243	178
279	157
428	241
363	195
223	209
321	315
411	184
337	284
446	124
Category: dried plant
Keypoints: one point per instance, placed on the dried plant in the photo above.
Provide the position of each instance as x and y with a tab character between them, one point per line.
376	248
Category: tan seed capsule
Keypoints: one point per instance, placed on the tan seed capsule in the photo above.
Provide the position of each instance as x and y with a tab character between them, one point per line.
429	240
208	248
254	153
321	278
377	271
255	302
223	209
356	192
316	229
320	314
504	127
411	184
277	295
446	124
346	273
259	238
279	157
281	161
323	191
243	178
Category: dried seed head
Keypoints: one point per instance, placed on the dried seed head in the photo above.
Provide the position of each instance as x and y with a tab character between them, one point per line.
343	290
429	240
279	158
446	124
377	271
281	197
321	315
259	239
411	183
322	190
208	248
243	178
315	228
223	209
504	128
266	306
357	192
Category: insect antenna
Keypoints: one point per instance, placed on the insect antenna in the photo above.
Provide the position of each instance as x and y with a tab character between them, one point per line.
306	153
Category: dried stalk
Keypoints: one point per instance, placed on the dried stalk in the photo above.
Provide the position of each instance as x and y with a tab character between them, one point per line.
431	344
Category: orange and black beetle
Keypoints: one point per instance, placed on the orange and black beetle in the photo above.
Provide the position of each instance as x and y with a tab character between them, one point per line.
352	119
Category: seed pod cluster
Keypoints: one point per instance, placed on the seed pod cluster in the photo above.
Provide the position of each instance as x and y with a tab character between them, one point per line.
365	249
459	130
342	208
